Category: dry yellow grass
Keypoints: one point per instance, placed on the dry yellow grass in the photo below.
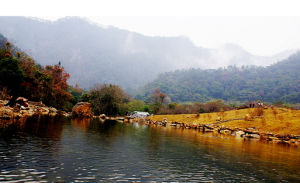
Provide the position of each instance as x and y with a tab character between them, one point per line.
273	120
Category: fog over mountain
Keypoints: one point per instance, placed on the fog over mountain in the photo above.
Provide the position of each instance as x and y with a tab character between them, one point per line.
95	54
278	82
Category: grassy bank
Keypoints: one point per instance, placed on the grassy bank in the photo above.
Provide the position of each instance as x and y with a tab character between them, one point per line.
271	120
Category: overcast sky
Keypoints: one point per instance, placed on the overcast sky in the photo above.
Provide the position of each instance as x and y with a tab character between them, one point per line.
258	35
262	27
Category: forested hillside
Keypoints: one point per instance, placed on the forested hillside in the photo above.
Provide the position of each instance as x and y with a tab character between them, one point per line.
278	82
95	54
20	75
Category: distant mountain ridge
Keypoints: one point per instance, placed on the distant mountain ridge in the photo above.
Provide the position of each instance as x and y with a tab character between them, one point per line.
94	54
278	82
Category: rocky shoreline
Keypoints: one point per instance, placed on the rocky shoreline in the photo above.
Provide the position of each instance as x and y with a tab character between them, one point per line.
83	110
32	108
246	133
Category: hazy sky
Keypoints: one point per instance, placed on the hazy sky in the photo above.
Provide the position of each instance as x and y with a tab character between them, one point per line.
263	27
258	35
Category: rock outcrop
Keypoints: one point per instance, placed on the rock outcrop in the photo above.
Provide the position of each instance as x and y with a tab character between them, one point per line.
82	110
23	108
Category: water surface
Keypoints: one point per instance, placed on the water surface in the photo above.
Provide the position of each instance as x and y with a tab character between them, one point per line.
63	150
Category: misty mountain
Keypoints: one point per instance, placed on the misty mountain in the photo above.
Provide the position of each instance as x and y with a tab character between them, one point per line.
95	54
3	40
231	54
278	82
15	49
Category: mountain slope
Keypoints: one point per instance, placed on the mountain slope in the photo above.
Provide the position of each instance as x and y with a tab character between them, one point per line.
94	54
14	49
280	81
3	40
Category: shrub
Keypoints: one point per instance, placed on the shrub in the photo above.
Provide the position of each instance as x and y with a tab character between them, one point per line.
172	105
108	99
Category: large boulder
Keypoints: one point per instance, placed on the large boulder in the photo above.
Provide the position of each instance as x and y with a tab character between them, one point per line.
82	110
22	101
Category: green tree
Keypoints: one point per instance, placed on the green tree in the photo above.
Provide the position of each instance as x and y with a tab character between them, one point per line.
134	105
107	99
11	76
76	93
20	76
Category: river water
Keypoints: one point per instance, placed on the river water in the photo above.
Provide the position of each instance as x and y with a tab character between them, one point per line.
63	150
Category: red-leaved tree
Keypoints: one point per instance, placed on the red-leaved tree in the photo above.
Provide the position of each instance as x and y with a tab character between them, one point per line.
158	96
56	86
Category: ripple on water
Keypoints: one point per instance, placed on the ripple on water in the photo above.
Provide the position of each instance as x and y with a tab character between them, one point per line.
125	153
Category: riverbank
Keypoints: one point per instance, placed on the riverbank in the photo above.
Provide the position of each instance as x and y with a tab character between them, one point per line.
33	108
279	125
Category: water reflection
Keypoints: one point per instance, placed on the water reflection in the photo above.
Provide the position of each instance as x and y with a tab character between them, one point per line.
269	161
28	146
59	149
83	124
40	126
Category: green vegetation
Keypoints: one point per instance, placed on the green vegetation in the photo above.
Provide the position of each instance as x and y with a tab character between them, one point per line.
11	74
20	76
136	105
78	94
195	108
108	99
112	55
278	82
171	93
112	100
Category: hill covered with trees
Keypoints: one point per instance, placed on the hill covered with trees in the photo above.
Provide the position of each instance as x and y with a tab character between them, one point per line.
278	82
94	54
20	75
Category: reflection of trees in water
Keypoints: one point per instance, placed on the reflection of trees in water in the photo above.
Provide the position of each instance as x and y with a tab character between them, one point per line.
8	128
45	126
106	131
186	149
113	130
153	139
40	126
182	150
35	136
